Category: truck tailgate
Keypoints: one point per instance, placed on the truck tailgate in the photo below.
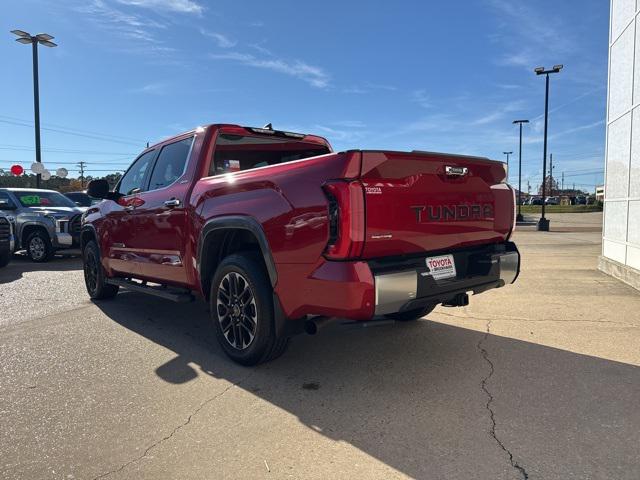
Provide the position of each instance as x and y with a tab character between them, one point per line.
418	202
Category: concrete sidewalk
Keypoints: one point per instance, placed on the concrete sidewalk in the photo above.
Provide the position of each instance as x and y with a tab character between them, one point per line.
540	380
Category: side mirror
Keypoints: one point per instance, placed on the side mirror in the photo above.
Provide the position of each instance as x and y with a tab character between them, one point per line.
98	189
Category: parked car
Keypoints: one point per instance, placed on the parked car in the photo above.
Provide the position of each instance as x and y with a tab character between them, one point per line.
552	201
81	199
6	240
535	201
280	234
581	200
45	221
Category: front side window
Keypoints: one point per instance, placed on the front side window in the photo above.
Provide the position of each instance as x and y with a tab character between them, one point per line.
5	202
42	198
133	180
171	163
244	152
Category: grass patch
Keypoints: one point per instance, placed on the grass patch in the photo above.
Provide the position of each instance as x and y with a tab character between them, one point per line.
561	208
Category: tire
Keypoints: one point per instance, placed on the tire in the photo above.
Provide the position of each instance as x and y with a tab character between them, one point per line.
5	257
94	276
241	301
411	315
38	246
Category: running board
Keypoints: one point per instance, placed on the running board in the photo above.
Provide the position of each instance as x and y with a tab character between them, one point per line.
179	296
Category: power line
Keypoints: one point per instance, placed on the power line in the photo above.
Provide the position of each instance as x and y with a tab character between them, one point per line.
26	148
73	129
585	174
105	163
65	132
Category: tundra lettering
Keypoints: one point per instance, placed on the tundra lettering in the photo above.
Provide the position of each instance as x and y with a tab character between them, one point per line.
452	212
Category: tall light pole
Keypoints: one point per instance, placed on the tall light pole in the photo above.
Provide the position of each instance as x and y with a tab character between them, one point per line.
507	154
543	223
34	40
519	217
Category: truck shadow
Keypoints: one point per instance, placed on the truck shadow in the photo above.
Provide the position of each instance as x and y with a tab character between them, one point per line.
411	395
21	264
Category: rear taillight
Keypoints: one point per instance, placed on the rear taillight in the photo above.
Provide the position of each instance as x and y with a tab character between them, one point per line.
346	219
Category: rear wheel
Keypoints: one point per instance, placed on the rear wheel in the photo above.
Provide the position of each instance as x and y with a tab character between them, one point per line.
241	302
411	315
39	246
94	276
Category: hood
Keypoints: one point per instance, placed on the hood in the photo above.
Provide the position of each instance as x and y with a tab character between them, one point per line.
55	211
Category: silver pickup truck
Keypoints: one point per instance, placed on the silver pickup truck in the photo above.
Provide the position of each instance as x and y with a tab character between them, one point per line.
43	221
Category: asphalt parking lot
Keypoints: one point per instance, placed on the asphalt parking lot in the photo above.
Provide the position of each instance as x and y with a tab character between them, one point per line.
540	380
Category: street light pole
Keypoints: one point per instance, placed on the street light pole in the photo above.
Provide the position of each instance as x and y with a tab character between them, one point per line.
36	107
507	154
519	217
34	40
543	223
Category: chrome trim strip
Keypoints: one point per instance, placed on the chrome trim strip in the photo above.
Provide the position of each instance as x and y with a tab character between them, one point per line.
144	250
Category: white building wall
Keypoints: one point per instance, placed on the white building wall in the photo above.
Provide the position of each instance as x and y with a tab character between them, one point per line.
621	232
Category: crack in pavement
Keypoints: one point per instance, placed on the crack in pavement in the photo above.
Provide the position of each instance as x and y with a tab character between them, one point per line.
472	316
483	384
173	432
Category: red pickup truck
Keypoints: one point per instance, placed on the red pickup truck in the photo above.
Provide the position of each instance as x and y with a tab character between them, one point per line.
279	233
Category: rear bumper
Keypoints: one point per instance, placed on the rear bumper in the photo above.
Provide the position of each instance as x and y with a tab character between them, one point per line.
360	290
408	289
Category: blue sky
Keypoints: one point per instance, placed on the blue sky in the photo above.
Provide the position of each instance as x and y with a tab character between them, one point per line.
442	76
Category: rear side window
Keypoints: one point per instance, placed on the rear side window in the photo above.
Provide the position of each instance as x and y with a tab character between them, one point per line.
133	180
244	152
171	163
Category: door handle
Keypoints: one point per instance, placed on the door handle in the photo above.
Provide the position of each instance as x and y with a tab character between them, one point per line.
172	203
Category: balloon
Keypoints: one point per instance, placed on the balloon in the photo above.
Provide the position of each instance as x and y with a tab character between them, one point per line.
62	172
17	170
37	167
46	175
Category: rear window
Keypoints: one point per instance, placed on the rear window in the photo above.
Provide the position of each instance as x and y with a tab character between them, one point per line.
244	152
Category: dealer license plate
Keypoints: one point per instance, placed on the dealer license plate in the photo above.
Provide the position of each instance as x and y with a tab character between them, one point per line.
441	267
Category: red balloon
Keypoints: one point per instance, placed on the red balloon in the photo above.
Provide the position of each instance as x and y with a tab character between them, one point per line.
17	170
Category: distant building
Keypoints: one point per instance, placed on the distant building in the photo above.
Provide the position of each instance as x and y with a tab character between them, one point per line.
600	193
621	230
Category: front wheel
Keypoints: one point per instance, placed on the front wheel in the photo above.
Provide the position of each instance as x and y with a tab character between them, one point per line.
94	277
241	301
411	315
39	246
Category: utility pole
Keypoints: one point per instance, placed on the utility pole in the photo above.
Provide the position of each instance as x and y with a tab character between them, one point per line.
563	182
81	165
543	223
34	40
